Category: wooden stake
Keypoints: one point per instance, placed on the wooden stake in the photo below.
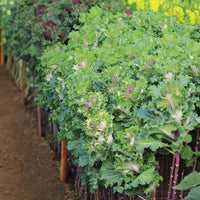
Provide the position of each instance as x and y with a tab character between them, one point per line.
11	67
2	56
39	122
63	164
98	194
2	51
24	87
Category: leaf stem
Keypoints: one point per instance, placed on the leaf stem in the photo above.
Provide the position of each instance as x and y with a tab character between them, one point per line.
196	149
125	113
157	169
126	154
182	176
170	151
176	175
171	177
141	197
112	194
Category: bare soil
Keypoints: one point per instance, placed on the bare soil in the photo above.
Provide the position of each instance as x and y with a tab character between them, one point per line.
27	168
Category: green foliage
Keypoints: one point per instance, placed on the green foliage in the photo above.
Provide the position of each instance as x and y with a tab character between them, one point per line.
193	194
191	181
31	26
109	175
124	88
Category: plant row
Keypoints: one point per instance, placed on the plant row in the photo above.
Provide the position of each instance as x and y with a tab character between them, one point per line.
123	86
124	89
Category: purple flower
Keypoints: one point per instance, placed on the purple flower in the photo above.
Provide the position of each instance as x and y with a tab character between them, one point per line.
75	2
130	90
128	12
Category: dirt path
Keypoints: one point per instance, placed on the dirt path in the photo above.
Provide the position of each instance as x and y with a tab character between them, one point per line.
27	169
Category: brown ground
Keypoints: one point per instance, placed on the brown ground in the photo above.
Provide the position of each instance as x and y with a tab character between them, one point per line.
27	168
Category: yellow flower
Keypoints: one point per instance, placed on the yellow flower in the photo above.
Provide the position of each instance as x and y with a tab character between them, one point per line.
174	8
197	15
192	18
140	5
131	1
178	12
198	20
154	5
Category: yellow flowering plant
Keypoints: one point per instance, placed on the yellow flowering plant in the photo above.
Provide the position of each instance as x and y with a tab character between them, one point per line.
185	11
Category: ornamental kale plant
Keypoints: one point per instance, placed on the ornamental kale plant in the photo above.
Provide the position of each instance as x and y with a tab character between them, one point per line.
31	26
124	89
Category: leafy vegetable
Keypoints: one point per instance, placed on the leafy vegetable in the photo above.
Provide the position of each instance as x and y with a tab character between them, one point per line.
121	86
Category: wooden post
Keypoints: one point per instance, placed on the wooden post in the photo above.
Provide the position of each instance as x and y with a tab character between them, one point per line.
11	67
24	87
98	194
39	122
1	50
63	164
